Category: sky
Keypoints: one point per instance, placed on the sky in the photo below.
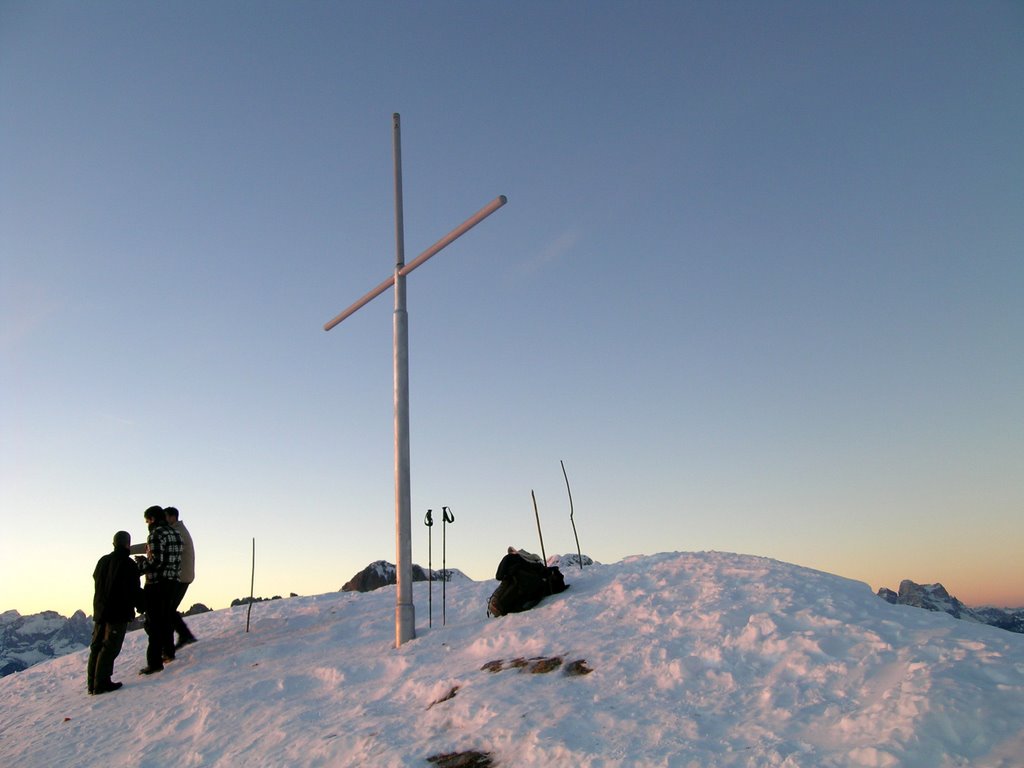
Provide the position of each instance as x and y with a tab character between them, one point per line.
680	659
758	285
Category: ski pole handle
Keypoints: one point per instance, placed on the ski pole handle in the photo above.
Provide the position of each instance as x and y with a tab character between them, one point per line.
429	519
448	516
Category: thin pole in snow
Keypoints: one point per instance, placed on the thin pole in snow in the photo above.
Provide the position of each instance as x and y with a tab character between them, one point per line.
252	585
539	533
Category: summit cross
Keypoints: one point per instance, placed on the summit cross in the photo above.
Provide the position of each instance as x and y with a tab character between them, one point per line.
405	614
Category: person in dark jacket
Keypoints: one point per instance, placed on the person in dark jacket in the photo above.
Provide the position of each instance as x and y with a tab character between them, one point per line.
114	601
160	565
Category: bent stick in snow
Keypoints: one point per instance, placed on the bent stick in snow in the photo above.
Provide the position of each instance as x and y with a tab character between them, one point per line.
578	552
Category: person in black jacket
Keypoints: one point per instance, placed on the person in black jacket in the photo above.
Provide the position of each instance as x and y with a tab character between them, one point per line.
113	607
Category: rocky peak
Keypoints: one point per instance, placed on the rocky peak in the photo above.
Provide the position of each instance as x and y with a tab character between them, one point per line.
379	574
382	573
28	640
934	597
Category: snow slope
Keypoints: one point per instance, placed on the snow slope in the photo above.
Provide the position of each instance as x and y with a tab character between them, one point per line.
695	659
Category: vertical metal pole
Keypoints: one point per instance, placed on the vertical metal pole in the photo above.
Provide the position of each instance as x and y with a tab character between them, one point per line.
405	615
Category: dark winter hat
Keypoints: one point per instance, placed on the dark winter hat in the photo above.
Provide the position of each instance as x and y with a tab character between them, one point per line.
122	540
156	514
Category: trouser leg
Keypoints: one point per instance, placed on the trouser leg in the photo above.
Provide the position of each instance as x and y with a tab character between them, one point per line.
113	639
178	623
157	624
94	654
167	624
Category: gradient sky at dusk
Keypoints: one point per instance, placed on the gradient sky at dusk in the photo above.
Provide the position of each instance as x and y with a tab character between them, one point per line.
759	283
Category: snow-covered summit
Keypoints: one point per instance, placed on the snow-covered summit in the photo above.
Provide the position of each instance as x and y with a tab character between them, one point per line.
703	659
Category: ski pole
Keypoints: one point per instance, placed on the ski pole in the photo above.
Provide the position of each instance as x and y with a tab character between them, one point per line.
569	490
446	517
429	522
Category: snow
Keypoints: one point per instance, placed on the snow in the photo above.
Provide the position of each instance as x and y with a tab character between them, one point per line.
694	659
45	623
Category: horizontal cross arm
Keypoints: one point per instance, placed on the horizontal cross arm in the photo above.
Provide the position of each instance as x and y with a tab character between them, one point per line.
404	270
361	303
456	233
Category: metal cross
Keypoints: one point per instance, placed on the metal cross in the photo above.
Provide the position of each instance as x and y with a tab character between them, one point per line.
405	615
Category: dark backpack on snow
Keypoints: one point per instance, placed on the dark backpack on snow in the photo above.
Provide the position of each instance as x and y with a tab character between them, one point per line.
524	583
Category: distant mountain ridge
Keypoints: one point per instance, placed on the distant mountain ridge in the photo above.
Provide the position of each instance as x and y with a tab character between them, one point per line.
934	597
28	640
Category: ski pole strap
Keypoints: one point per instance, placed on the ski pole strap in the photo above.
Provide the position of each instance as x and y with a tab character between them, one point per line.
429	519
448	516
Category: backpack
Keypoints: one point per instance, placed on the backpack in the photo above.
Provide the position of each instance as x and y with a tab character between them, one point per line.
525	580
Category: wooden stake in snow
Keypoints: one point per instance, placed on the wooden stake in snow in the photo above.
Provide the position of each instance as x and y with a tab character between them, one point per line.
252	584
539	533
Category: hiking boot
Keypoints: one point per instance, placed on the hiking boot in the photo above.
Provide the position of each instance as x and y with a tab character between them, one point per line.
107	688
150	670
183	642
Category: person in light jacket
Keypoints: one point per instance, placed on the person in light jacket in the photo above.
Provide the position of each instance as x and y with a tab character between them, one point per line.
186	575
